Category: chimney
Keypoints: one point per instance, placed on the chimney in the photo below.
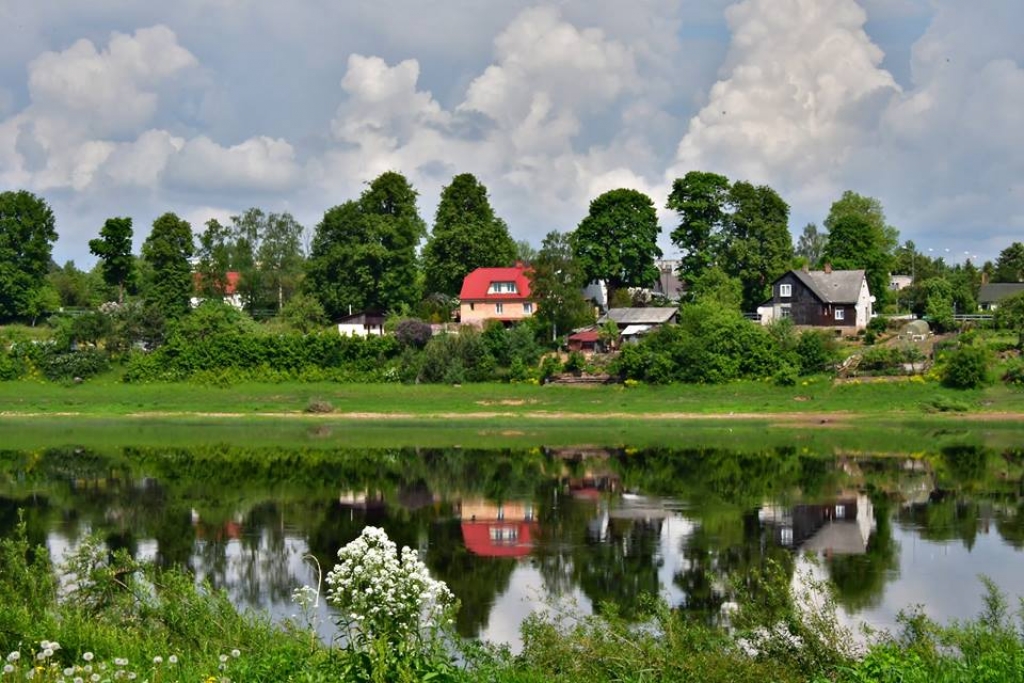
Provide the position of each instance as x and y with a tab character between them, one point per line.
807	267
828	268
984	278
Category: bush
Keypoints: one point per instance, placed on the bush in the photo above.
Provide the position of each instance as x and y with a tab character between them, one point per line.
966	368
883	359
575	363
1014	373
549	367
785	376
817	352
413	332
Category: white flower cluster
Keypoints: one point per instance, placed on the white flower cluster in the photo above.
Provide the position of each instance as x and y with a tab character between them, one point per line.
384	594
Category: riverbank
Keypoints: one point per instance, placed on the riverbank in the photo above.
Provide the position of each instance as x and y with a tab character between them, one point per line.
808	402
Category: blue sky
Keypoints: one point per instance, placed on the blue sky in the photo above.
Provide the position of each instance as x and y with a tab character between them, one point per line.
208	107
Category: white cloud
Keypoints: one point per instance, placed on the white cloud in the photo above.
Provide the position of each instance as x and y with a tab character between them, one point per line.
110	91
143	161
257	164
802	89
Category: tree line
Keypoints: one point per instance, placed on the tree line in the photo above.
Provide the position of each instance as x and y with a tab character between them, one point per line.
374	253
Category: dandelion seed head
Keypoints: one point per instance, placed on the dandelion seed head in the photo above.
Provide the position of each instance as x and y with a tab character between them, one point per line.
87	656
173	659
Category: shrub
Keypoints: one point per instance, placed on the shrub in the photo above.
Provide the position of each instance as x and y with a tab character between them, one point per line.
413	332
785	376
575	363
1014	373
966	368
817	352
878	325
549	367
882	359
319	406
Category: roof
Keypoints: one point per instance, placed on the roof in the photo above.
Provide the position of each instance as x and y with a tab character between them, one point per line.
995	292
590	335
639	316
231	279
838	538
832	287
632	330
475	286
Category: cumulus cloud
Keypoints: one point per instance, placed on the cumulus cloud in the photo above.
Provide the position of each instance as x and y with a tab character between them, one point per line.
109	91
257	164
802	89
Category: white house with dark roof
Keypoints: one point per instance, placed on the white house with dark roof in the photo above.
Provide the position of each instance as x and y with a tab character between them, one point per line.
838	299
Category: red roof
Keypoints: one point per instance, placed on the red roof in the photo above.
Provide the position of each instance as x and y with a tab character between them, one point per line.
585	336
475	286
498	539
230	282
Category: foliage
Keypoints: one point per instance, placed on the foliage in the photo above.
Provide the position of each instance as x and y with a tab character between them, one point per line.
860	238
77	289
26	240
267	253
556	283
575	363
617	241
739	228
1010	316
114	249
882	359
817	351
1014	373
1009	266
699	198
710	345
167	251
414	333
715	286
939	304
215	260
456	358
467	235
303	313
811	244
363	255
966	368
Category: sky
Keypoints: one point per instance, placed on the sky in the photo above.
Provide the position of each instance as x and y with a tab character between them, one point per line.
209	107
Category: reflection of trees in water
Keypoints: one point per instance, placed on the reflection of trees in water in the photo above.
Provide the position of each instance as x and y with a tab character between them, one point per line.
860	579
476	581
577	546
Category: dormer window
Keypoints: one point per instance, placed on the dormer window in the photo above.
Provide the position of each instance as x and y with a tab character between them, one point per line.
785	291
502	288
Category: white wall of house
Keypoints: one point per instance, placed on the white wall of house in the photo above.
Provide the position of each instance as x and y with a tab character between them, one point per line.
360	330
865	304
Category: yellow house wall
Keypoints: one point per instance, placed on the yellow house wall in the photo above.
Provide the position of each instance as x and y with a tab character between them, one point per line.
480	311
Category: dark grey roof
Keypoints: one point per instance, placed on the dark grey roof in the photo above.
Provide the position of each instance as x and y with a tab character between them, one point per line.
639	316
995	292
836	287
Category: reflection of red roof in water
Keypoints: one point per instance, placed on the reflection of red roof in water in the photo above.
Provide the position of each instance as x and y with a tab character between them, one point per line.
498	539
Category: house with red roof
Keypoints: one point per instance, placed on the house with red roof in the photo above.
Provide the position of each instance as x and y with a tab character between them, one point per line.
496	294
231	294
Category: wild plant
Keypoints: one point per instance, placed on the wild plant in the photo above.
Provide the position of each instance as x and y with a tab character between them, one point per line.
397	619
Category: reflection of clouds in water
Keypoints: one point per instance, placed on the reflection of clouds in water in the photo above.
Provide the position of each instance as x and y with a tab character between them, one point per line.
525	596
940	577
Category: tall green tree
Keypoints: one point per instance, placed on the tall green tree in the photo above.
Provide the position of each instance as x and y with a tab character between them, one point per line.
27	235
75	288
556	284
699	199
618	240
811	243
215	260
363	255
467	235
756	245
739	228
167	251
1009	266
114	249
860	238
268	256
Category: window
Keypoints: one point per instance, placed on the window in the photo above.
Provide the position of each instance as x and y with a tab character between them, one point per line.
502	288
785	312
472	306
785	291
499	308
527	308
840	314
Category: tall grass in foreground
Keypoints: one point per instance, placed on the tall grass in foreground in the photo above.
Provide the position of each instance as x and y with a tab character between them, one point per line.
111	618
